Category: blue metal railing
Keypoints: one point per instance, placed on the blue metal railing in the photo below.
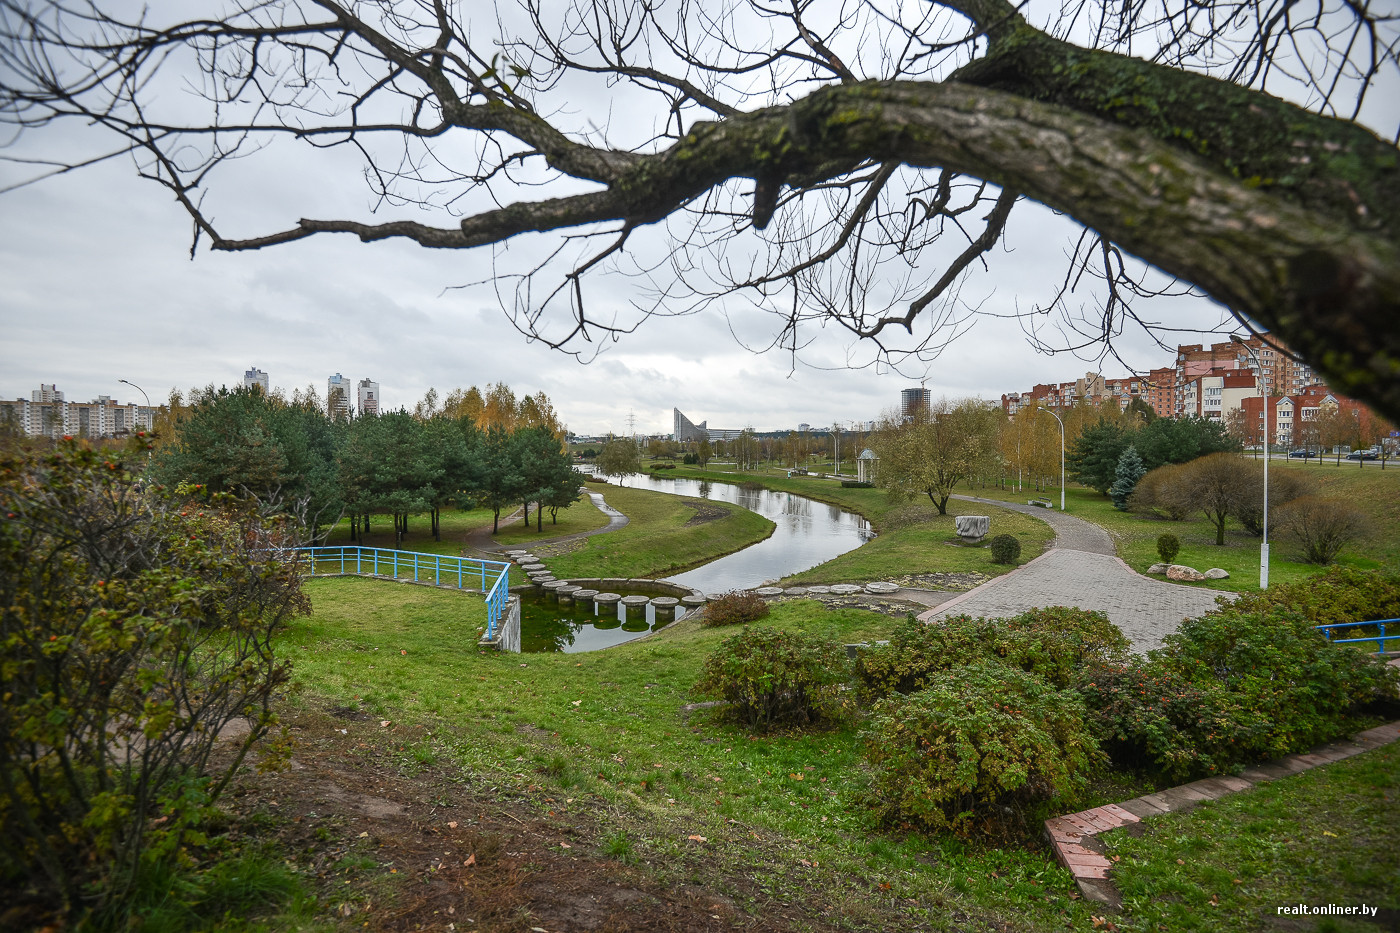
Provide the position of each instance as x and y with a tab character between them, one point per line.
485	576
1379	639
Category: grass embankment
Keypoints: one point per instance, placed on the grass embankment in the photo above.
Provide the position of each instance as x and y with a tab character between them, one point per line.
665	534
1375	492
457	524
780	815
1329	836
608	739
912	537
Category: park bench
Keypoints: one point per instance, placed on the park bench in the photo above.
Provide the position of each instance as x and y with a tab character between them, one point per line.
1043	503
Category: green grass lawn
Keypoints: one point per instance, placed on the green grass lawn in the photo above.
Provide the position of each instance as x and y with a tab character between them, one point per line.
1328	836
610	731
665	534
1374	491
613	733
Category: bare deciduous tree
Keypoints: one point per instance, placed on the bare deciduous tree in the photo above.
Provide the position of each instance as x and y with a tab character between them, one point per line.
843	164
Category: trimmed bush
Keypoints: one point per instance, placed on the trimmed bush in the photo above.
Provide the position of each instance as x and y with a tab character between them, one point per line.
773	678
1241	684
734	608
1168	546
1148	718
1005	549
975	740
1054	644
1341	594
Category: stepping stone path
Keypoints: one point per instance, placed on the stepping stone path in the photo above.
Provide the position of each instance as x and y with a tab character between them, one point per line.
533	568
769	591
844	589
693	600
606	598
881	589
1073	836
635	602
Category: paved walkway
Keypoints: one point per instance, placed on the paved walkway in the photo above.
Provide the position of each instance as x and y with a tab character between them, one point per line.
1080	570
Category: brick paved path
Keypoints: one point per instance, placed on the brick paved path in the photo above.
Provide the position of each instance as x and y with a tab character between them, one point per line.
1080	570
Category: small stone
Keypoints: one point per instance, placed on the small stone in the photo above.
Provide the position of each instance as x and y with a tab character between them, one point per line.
1184	574
1215	573
1158	567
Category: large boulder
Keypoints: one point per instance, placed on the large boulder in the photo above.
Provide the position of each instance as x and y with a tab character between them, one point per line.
973	527
1215	573
1184	574
1158	568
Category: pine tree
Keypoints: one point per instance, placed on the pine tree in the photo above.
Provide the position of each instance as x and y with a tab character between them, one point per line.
1129	471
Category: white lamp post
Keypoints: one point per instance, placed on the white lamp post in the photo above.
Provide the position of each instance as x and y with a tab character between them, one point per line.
1264	408
143	394
1062	455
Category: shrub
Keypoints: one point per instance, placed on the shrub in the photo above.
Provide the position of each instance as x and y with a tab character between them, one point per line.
1051	643
1146	717
1005	549
856	484
734	608
133	627
1168	546
1159	493
975	740
1285	486
772	678
1280	669
1320	528
1339	595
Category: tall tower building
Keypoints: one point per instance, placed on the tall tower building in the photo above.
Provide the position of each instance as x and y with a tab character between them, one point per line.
255	377
338	397
367	397
914	400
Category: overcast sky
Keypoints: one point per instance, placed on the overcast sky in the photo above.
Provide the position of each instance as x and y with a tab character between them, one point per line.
98	286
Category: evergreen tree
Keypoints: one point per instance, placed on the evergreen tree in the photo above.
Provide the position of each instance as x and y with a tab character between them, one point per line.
1093	458
1126	476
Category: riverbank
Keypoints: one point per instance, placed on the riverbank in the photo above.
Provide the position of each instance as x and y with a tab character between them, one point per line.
912	539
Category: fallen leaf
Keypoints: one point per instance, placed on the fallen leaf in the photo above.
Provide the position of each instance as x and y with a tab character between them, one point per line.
1180	862
577	702
804	863
363	835
403	652
1326	833
795	777
383	722
658	766
471	860
1215	900
565	845
697	839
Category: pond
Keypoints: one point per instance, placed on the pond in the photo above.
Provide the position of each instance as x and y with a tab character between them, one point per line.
808	533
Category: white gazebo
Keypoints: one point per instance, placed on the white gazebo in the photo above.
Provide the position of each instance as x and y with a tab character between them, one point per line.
865	466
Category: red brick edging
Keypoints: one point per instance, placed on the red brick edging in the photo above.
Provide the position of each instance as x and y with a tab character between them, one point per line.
1073	836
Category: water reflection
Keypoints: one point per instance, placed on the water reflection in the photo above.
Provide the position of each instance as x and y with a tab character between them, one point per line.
571	626
807	533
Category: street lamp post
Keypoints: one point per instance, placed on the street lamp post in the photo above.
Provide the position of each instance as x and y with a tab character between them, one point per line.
1264	409
1062	455
141	390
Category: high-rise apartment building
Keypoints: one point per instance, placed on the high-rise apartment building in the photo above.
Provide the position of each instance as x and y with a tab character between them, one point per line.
338	397
914	400
46	413
255	377
367	397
